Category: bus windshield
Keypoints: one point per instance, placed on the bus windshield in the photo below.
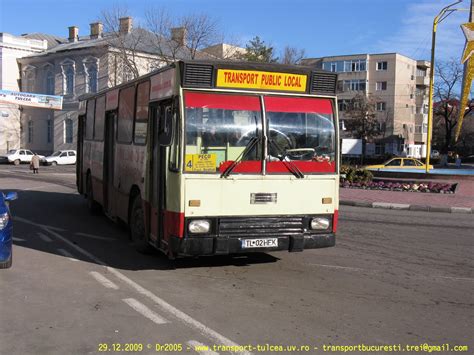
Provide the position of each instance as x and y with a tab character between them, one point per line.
219	127
300	129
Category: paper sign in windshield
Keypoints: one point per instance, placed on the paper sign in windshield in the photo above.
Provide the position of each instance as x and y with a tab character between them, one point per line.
201	162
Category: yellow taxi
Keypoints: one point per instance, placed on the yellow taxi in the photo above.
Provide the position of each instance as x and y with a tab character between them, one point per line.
399	163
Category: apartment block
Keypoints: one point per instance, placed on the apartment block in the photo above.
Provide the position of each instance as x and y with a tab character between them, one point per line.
397	85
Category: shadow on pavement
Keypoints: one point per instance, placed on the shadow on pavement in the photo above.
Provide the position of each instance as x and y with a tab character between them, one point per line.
38	212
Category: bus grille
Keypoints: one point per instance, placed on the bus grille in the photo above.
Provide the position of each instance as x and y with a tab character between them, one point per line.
198	75
323	83
260	226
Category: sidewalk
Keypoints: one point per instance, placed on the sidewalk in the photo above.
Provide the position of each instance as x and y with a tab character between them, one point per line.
462	201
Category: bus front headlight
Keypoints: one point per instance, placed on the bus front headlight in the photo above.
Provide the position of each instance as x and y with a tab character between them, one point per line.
320	223
199	226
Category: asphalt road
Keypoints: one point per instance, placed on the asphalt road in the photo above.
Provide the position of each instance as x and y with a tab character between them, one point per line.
78	287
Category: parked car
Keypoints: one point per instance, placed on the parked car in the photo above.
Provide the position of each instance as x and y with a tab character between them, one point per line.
6	229
61	157
399	163
18	156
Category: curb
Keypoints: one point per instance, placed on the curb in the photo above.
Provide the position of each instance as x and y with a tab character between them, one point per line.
400	206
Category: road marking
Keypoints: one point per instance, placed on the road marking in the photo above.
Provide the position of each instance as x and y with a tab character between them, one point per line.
103	280
456	278
94	236
44	237
145	311
196	346
67	254
48	228
338	267
35	188
189	321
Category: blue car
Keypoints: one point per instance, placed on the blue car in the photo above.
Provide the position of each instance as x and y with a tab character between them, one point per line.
6	229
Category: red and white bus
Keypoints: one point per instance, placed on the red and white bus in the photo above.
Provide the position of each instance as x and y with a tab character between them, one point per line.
207	158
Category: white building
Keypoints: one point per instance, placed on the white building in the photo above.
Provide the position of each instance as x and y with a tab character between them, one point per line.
12	48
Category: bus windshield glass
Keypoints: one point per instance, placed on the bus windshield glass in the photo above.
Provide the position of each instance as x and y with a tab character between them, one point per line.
300	129
218	129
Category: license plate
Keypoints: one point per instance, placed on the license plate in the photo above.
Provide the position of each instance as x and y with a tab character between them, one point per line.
260	243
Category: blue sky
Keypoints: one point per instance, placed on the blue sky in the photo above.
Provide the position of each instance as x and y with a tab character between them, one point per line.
321	27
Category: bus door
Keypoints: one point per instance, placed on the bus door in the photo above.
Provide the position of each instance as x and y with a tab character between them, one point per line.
160	113
80	155
109	161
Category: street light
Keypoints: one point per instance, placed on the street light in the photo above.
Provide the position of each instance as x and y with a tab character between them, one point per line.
445	12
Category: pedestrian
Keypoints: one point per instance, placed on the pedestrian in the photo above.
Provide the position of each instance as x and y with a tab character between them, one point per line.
35	162
458	161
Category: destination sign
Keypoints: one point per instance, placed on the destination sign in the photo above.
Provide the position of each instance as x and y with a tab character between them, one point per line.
248	79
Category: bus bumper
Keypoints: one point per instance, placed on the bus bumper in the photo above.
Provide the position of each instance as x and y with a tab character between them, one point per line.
195	246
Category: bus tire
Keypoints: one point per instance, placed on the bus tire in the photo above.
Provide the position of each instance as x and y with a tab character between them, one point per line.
137	227
92	205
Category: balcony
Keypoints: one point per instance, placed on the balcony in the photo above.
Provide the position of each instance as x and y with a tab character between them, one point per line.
423	80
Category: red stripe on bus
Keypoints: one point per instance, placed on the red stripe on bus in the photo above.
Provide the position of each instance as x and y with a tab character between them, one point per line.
255	166
226	102
335	217
173	224
298	104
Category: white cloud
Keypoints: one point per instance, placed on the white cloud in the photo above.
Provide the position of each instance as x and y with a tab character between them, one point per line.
413	38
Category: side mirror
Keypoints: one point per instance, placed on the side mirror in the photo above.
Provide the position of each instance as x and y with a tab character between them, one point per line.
10	196
165	136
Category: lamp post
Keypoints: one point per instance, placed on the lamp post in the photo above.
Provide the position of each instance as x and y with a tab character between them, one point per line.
445	12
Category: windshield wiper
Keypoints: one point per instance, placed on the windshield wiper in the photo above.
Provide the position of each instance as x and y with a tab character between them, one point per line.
242	155
288	163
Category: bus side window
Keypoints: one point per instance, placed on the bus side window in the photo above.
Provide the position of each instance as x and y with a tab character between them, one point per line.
99	119
90	119
141	113
125	115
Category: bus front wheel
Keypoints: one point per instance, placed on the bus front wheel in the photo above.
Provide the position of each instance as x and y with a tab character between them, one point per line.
137	227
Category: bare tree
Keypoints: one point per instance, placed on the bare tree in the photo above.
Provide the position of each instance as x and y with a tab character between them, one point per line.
179	38
125	46
292	55
448	78
362	122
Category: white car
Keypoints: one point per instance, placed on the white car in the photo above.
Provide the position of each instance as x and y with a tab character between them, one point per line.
61	157
18	156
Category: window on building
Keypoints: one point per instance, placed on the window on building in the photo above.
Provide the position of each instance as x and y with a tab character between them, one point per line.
68	130
343	105
425	128
381	106
380	85
91	77
125	115
30	131
418	129
49	83
30	81
49	131
420	72
68	80
353	85
342	126
333	67
381	66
